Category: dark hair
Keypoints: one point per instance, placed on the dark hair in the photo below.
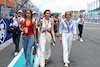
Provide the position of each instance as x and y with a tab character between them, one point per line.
30	11
56	16
46	11
80	15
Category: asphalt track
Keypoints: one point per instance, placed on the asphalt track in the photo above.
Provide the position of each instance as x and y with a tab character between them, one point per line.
86	54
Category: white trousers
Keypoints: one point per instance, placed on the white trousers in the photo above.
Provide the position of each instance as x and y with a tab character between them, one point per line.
45	47
67	39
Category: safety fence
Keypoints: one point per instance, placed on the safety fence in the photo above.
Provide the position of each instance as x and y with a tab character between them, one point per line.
93	20
90	20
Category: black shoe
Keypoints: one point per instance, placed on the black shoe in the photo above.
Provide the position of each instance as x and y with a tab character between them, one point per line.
39	65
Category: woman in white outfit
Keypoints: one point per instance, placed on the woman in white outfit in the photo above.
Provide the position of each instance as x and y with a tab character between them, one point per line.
66	31
45	40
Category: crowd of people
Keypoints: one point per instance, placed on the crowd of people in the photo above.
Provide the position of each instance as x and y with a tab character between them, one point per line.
49	28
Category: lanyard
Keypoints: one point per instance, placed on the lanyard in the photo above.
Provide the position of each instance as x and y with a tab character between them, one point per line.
68	24
46	26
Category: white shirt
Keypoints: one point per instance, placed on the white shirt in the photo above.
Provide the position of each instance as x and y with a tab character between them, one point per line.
15	23
36	21
46	23
79	19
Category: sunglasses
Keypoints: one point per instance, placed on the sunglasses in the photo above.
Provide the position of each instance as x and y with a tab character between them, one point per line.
67	14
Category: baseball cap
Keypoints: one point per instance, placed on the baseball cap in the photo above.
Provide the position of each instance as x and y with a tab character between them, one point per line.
34	12
20	11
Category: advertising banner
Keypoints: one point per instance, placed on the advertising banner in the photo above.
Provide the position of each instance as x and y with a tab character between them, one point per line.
4	25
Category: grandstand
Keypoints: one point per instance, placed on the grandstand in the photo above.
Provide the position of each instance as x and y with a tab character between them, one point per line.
53	14
14	5
93	10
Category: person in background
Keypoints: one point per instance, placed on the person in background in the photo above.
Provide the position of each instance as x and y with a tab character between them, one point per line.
36	21
91	19
56	25
41	17
45	40
28	27
80	22
66	30
63	17
16	37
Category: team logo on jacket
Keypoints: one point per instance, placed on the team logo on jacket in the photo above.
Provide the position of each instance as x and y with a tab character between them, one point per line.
3	32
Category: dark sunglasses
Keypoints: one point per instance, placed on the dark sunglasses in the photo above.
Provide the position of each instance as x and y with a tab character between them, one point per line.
67	14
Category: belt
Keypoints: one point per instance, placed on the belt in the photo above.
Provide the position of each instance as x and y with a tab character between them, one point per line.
45	31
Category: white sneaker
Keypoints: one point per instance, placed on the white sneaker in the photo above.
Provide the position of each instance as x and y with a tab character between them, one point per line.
16	53
54	44
66	65
81	40
68	62
32	47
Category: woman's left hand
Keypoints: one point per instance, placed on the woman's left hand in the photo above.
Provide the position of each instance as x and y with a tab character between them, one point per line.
38	41
74	39
54	41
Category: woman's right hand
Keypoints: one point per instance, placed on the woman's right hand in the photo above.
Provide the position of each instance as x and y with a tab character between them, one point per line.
60	39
